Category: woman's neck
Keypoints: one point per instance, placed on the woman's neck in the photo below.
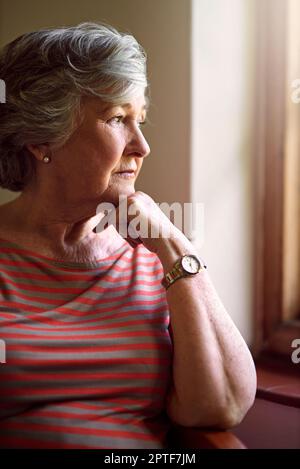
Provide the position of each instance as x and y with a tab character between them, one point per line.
31	226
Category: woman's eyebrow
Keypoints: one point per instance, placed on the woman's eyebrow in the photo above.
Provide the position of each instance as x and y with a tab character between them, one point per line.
145	107
109	107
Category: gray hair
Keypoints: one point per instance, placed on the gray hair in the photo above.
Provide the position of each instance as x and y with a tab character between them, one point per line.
47	73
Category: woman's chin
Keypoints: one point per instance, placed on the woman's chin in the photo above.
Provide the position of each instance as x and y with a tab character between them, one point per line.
115	195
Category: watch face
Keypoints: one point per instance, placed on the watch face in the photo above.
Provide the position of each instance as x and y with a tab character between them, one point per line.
190	264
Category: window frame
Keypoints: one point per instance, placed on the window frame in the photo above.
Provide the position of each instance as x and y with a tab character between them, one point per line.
272	334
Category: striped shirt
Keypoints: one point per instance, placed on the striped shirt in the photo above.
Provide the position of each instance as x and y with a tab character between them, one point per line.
88	352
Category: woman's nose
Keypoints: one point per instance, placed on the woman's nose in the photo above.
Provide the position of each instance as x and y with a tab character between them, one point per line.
137	144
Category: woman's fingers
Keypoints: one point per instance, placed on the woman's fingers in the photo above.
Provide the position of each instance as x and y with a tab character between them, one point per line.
138	219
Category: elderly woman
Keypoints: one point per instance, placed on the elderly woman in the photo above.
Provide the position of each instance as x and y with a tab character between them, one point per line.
108	338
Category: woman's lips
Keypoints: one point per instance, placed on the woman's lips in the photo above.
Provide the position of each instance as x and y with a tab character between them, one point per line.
126	174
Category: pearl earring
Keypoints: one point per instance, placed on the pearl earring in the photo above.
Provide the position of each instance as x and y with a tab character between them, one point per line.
46	159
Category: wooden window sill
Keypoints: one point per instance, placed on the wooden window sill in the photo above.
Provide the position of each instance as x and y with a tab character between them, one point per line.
278	381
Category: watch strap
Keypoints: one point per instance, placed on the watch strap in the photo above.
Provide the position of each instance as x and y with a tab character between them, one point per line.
174	274
177	272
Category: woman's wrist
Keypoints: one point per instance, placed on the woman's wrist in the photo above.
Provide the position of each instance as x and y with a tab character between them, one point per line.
172	248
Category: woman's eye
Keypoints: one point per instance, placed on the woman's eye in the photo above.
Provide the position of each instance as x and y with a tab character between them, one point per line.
115	120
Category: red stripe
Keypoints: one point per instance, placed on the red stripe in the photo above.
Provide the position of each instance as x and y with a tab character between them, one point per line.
78	276
31	308
87	416
8	315
87	349
126	401
161	307
84	327
14	304
109	278
126	334
115	400
138	322
30	264
78	392
29	426
163	361
86	300
106	314
80	376
75	290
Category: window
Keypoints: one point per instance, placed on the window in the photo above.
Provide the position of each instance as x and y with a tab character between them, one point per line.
277	178
291	183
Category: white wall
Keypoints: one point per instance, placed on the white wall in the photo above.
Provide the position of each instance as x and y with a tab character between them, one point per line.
222	90
201	141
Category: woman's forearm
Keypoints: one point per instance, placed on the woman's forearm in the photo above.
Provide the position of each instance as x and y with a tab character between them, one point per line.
214	379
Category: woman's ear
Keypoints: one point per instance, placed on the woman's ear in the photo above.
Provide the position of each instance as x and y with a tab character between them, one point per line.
38	151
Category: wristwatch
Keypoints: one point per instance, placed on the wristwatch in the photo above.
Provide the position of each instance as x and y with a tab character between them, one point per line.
188	265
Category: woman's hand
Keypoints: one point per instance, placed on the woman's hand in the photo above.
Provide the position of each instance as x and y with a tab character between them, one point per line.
140	220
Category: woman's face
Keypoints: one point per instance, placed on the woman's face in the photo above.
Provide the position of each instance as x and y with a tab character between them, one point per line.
107	142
